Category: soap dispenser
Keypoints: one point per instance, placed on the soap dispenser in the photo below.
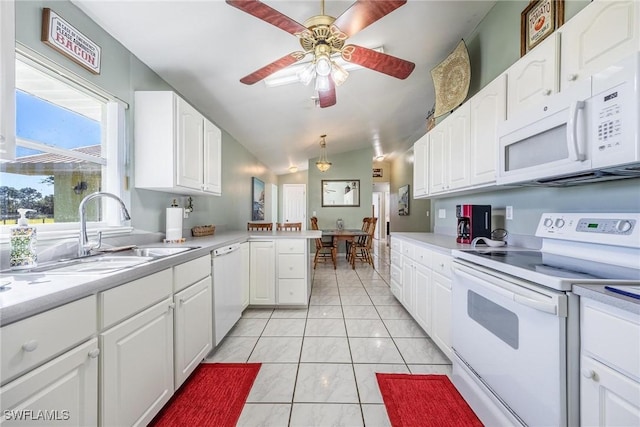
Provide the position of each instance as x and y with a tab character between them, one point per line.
23	243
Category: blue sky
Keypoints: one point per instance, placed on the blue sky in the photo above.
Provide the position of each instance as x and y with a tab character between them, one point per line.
39	120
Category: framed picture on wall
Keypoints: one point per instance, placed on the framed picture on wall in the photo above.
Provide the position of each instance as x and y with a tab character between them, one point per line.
403	200
538	20
257	199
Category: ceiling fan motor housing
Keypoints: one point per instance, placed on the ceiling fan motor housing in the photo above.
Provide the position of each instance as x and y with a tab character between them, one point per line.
321	34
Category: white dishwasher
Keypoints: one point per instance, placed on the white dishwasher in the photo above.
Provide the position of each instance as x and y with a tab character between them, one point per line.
227	289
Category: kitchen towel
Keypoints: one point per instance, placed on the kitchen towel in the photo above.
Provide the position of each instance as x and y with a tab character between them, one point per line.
174	224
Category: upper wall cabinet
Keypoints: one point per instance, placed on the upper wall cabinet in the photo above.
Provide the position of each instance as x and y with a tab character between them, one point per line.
176	148
420	167
602	34
7	82
534	76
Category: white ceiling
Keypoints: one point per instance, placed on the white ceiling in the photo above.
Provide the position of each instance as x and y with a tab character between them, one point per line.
203	48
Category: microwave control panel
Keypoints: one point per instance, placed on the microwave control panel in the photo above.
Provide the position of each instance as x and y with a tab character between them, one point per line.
608	113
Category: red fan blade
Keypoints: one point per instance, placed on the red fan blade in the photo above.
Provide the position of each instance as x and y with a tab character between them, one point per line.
277	65
363	13
381	62
328	97
268	14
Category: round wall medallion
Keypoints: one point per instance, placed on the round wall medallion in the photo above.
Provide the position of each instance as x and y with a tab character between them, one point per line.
451	80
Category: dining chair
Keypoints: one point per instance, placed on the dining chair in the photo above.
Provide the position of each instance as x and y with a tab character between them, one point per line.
324	249
289	226
259	226
365	227
361	248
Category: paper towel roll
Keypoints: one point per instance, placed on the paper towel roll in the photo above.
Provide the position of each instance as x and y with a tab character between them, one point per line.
174	224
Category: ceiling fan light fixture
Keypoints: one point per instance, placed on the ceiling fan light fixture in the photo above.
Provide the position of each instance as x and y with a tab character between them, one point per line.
323	164
323	65
307	74
322	83
338	74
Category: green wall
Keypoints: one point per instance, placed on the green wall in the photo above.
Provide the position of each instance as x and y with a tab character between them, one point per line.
419	209
493	47
122	74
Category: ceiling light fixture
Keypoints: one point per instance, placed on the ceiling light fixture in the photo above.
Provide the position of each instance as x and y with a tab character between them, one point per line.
304	72
380	158
293	169
323	164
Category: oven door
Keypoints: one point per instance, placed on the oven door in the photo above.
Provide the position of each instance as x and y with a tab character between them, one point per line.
512	334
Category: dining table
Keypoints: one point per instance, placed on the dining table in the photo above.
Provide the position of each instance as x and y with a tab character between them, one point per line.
346	234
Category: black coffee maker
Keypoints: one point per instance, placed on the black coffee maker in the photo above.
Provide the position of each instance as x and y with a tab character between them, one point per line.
473	221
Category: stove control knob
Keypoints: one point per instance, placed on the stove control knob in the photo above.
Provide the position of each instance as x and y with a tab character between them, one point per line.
623	226
559	222
548	222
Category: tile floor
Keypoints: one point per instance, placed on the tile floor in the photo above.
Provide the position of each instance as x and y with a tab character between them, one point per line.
319	364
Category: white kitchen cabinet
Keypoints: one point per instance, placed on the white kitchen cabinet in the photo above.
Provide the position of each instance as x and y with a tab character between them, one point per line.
441	328
408	284
193	328
245	254
396	267
262	278
534	77
65	389
488	110
176	148
292	267
7	82
423	297
136	372
609	367
421	167
438	174
601	34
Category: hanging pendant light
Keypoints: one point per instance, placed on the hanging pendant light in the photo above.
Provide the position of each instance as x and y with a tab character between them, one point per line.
323	164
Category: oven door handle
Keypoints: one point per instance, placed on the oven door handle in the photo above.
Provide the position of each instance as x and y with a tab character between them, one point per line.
505	288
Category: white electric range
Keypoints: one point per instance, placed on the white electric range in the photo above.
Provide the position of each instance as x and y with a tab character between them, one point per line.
515	319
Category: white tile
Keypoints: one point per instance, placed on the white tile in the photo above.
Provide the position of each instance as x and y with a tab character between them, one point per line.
319	291
420	351
289	313
352	291
404	328
374	350
277	350
264	415
324	300
274	383
356	300
325	312
257	313
248	328
323	415
384	300
368	384
431	369
325	383
366	328
379	290
375	416
325	350
393	312
360	312
325	328
284	328
233	350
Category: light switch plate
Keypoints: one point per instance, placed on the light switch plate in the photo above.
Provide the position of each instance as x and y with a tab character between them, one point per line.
508	212
442	213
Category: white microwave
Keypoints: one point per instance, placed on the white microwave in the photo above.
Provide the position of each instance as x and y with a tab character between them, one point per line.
586	133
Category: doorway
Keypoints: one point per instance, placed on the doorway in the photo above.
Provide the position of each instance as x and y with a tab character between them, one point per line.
380	201
294	203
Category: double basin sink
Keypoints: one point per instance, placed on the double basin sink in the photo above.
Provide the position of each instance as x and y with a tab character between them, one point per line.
103	264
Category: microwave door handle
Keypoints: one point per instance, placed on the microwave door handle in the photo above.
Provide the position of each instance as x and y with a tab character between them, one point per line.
573	145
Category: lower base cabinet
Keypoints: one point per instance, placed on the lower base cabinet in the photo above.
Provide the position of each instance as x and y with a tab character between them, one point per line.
61	392
193	328
441	328
262	273
137	367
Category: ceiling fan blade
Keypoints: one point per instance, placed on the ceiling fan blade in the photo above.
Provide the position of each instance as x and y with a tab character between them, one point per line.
328	97
363	13
381	62
276	65
268	14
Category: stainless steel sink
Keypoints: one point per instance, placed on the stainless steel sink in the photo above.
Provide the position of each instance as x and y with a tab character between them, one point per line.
159	251
91	265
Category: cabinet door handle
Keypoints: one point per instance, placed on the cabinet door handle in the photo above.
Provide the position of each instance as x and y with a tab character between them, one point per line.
572	77
94	353
589	373
171	306
181	301
546	92
30	345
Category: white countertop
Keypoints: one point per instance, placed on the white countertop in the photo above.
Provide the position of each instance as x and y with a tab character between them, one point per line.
32	293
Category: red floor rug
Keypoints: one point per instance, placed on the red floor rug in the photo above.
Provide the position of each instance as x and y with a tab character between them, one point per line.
424	400
214	395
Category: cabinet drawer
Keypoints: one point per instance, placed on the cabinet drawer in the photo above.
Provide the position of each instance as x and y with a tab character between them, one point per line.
291	246
396	258
291	266
119	303
408	250
32	341
396	273
396	244
190	272
611	335
441	263
423	256
292	291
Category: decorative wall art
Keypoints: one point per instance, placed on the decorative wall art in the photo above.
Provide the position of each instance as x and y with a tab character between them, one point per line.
451	80
257	199
403	200
377	172
538	20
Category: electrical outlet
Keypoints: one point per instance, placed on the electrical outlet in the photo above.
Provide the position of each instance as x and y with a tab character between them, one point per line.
314	213
427	214
442	213
508	212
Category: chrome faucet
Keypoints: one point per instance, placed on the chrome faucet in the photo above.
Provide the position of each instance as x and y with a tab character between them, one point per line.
84	247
